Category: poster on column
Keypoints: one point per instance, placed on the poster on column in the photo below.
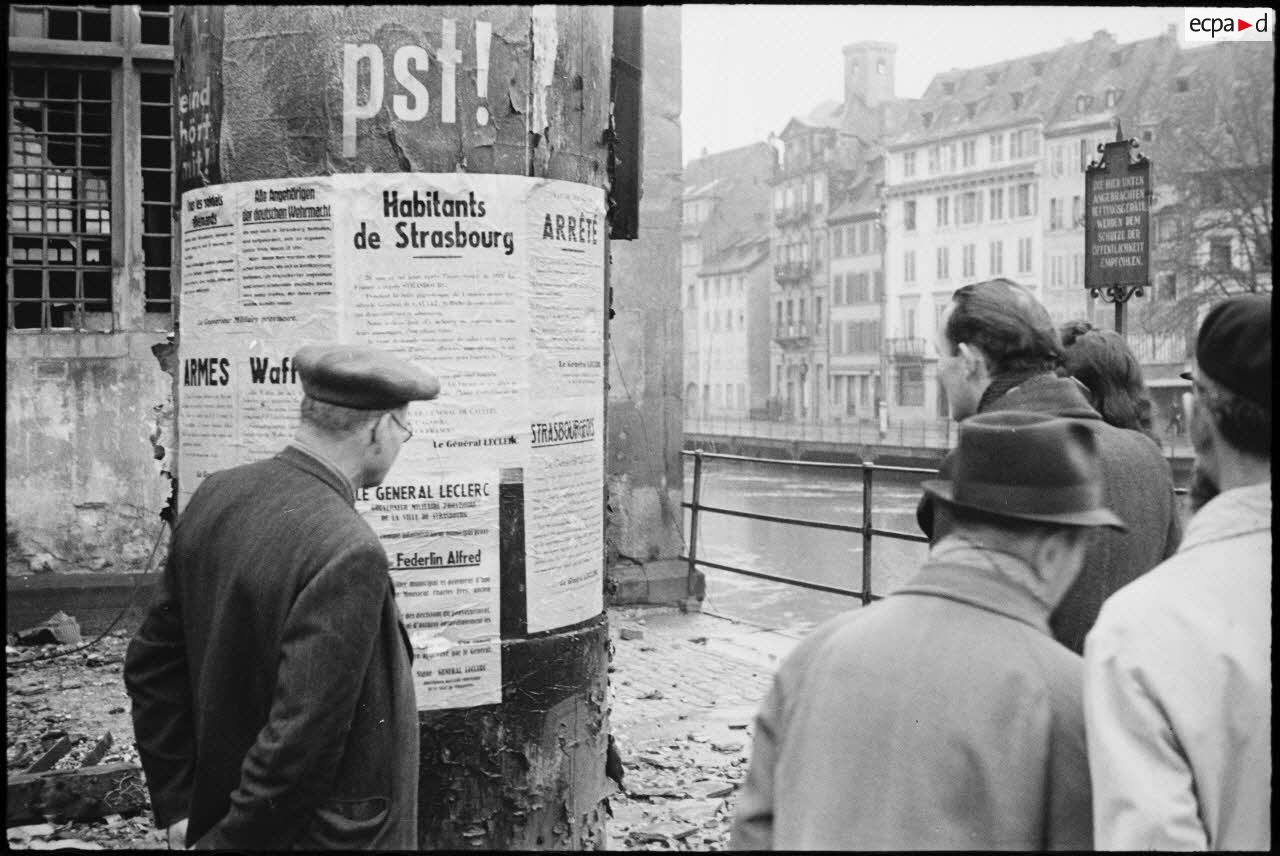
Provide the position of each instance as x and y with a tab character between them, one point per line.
257	283
492	283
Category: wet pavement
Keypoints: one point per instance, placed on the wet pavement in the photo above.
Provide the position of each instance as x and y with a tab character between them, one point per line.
685	691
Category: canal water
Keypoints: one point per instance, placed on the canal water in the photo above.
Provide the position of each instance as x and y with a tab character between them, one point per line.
817	555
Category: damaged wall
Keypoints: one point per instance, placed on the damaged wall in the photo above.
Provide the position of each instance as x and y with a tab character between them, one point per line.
85	411
85	416
644	523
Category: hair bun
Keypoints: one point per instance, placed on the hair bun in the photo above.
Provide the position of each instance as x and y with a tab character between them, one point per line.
1073	330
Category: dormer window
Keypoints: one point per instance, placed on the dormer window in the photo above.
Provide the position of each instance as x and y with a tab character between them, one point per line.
1148	135
926	119
1082	103
1181	84
993	77
1117	59
971	109
948	88
1017	100
1113	97
1037	68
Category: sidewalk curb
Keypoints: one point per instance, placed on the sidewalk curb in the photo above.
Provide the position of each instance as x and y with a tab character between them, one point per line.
661	583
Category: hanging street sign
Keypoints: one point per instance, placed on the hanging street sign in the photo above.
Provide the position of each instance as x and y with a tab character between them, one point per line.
1117	236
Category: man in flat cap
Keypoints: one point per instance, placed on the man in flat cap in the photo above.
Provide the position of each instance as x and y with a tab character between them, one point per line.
273	702
1178	665
946	716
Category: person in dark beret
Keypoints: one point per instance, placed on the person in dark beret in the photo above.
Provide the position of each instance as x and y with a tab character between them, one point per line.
1177	685
273	701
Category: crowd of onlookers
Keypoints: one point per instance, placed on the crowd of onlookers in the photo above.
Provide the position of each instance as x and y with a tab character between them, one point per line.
273	695
1069	669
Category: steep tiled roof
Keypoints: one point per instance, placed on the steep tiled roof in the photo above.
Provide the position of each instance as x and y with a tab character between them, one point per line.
1059	88
827	114
862	199
738	180
1211	104
751	157
698	191
745	251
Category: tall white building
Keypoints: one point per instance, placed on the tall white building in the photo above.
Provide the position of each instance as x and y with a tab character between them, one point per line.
963	204
857	300
986	179
800	290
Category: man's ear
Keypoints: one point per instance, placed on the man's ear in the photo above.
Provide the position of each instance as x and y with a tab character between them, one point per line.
1053	546
974	361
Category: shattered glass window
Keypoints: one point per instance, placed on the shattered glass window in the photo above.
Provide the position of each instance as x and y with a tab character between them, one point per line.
59	198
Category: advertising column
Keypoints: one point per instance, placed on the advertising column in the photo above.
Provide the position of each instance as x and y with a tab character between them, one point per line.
428	180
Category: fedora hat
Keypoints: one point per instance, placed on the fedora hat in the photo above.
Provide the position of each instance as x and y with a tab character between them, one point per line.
1027	466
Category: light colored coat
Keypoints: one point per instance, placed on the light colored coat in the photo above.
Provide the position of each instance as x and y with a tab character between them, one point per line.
944	716
1178	690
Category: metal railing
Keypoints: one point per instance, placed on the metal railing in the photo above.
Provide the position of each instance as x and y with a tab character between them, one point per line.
920	433
866	529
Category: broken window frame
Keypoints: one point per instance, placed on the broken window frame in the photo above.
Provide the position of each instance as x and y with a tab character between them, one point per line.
113	300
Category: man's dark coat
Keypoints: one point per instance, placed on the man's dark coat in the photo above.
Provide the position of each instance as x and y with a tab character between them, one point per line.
1137	485
273	699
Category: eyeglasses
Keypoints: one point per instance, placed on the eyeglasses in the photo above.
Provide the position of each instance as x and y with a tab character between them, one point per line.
408	432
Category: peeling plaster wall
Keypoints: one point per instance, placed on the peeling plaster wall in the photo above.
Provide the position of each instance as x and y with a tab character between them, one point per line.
644	473
85	415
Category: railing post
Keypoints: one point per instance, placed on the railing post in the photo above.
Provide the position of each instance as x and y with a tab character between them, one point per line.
693	518
866	531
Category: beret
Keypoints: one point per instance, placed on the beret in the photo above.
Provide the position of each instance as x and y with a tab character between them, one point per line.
1234	346
362	378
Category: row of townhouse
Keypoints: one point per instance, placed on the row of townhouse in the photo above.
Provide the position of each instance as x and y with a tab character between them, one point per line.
725	277
986	179
881	207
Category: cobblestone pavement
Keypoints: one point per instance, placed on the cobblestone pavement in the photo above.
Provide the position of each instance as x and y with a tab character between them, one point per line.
685	691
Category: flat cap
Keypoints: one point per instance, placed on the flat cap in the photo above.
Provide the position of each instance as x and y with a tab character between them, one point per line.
1234	346
362	378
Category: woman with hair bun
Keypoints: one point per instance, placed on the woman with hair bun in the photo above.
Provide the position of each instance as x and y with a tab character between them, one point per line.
1103	363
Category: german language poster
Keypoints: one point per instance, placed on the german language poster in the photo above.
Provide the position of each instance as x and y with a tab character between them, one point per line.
492	283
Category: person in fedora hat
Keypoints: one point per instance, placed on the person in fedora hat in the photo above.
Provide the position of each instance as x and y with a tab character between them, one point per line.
1178	665
273	703
998	350
945	716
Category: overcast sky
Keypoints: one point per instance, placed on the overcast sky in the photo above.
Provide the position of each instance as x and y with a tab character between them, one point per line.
748	69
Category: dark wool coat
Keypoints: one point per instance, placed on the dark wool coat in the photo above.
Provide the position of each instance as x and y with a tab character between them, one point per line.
943	717
273	701
1138	486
